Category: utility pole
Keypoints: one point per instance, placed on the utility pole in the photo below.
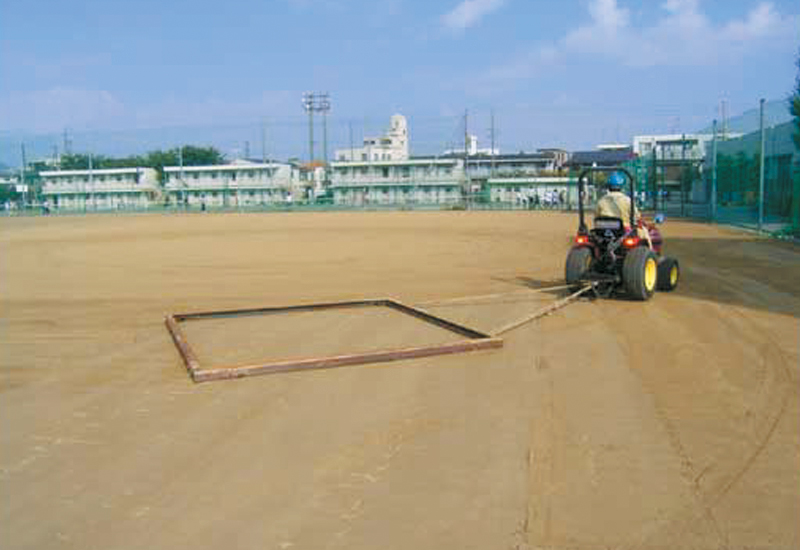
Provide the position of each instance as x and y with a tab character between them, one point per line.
761	163
317	102
325	106
183	182
491	171
466	155
26	195
67	143
264	141
91	181
724	114
714	175
350	132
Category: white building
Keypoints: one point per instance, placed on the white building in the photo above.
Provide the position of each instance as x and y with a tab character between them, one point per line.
419	181
9	179
232	185
511	165
673	147
108	189
393	145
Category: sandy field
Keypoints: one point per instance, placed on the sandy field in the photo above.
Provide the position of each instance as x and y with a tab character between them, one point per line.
610	424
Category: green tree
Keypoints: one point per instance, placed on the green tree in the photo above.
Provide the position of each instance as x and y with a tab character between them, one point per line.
201	156
158	159
74	161
8	193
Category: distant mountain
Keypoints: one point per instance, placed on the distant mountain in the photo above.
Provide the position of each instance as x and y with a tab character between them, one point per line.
776	111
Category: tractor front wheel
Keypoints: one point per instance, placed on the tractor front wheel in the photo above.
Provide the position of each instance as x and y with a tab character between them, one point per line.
640	273
669	272
579	260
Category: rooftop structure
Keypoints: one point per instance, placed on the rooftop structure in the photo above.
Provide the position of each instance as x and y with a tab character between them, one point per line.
583	159
393	145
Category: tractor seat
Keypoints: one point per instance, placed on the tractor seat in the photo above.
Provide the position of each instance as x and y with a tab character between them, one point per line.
603	224
607	230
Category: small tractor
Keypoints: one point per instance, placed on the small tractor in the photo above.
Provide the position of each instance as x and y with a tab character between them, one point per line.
613	257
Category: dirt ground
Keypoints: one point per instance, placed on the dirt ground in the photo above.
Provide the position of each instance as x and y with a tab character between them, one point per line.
611	424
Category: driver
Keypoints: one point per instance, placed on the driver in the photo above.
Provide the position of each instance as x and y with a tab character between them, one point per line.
616	204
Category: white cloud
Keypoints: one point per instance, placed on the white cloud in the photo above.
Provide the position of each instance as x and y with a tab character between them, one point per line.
762	20
469	12
607	15
682	36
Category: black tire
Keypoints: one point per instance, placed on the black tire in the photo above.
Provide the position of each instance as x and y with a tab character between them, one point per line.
579	260
669	273
640	273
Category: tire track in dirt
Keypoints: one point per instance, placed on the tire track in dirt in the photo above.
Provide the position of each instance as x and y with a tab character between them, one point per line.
541	461
776	389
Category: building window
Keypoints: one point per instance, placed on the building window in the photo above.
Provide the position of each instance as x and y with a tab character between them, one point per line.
385	172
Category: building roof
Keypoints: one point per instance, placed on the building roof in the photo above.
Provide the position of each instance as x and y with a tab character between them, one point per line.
99	172
413	161
552	180
521	156
601	158
220	167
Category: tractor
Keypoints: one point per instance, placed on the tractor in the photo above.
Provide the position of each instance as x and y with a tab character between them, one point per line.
613	257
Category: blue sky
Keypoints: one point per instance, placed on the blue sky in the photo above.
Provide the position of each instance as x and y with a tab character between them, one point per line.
569	73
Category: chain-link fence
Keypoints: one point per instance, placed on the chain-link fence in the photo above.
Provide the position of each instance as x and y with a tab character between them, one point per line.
729	183
715	177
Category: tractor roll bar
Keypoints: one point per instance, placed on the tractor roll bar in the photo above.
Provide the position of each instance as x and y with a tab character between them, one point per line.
581	185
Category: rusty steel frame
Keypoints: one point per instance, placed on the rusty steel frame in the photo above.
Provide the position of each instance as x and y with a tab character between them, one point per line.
474	340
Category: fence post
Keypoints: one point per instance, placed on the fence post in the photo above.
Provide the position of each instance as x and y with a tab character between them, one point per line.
761	172
683	174
714	175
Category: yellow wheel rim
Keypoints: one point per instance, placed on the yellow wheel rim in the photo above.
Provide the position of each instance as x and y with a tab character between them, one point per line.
650	272
673	275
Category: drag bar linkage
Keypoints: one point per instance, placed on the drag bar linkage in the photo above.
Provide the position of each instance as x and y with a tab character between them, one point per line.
545	311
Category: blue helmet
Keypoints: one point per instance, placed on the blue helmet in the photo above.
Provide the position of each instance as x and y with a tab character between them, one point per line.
615	181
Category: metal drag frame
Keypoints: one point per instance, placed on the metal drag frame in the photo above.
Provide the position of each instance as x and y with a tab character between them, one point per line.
474	340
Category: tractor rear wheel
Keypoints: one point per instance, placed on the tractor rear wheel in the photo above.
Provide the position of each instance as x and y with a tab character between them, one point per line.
669	272
640	273
579	260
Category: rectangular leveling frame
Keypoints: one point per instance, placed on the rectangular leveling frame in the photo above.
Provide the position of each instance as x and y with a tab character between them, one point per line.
473	340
